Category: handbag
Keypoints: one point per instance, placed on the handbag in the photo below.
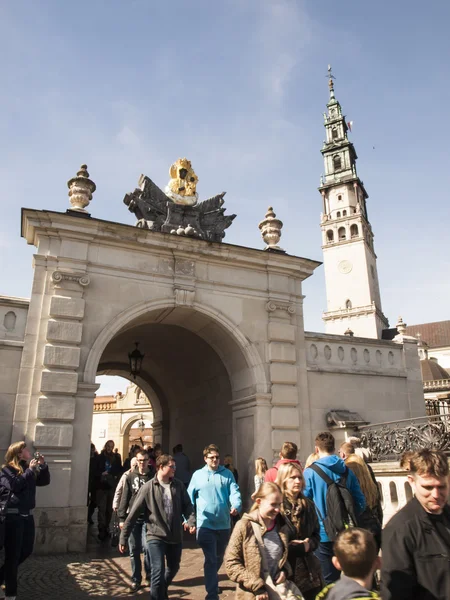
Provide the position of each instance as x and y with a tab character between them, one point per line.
276	591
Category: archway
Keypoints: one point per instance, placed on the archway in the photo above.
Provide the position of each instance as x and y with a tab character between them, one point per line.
196	368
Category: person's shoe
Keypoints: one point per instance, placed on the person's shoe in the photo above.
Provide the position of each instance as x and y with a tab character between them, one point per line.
135	586
219	591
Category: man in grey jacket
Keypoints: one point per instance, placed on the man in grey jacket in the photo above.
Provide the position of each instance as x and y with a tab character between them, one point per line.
167	508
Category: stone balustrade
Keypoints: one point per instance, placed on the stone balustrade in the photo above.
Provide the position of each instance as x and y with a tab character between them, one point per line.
394	486
344	353
437	384
102	406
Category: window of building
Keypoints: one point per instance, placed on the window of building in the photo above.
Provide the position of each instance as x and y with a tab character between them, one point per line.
342	234
330	235
338	214
348	304
334	133
9	322
340	197
337	163
354	232
344	213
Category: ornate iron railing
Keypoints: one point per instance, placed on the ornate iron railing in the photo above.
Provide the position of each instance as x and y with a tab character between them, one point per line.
387	441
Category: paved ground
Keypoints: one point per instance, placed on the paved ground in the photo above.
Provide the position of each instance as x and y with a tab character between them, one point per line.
102	573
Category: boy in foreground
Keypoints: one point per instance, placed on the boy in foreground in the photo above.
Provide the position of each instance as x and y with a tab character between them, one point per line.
356	556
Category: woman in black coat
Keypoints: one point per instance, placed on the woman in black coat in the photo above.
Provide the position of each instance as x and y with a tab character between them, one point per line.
302	526
18	480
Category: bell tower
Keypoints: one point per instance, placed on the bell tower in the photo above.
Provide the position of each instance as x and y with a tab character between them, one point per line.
350	262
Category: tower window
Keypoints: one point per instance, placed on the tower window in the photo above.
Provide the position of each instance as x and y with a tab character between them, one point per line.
334	133
330	235
337	163
344	213
348	304
354	231
338	214
341	233
340	197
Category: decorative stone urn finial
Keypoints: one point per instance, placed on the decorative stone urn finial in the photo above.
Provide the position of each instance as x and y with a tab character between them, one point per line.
81	189
349	332
401	326
271	230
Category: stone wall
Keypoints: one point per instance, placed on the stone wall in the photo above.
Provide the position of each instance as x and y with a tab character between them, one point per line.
13	316
379	380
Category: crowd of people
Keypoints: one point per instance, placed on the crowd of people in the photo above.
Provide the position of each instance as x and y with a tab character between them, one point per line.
313	532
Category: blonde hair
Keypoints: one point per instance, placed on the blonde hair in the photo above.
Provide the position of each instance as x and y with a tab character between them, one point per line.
12	456
267	488
368	486
260	466
284	473
311	459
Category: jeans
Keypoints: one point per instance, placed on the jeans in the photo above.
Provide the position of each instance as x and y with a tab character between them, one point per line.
137	543
159	552
19	542
213	543
325	553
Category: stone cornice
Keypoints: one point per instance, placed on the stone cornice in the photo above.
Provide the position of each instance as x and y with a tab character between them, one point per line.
345	339
53	224
13	301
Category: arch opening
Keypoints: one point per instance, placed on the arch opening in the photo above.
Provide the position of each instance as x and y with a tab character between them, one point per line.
195	366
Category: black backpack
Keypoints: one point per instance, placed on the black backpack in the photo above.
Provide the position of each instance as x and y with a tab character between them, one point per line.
339	502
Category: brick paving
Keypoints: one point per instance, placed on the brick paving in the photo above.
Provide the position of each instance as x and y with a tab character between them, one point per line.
103	573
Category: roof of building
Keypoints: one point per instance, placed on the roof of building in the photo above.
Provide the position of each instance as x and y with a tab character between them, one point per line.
432	370
101	399
436	335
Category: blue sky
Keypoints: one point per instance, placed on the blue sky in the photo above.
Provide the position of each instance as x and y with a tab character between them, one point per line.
238	87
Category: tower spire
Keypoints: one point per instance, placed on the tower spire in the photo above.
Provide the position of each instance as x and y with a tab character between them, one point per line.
353	294
330	82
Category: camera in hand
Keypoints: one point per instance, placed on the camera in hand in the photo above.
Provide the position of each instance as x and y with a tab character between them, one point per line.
37	455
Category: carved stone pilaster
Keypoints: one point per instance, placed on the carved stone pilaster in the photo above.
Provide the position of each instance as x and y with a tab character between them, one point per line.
58	277
274	305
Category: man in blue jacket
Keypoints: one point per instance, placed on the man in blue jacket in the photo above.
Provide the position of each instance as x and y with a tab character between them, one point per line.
316	489
216	496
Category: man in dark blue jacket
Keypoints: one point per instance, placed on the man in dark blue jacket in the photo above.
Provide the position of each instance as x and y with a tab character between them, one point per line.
316	489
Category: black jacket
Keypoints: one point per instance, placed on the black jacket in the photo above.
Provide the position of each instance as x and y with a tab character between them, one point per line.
23	486
416	558
115	468
133	483
306	570
150	497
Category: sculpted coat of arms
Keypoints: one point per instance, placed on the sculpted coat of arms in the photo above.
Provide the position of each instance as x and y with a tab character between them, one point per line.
176	210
